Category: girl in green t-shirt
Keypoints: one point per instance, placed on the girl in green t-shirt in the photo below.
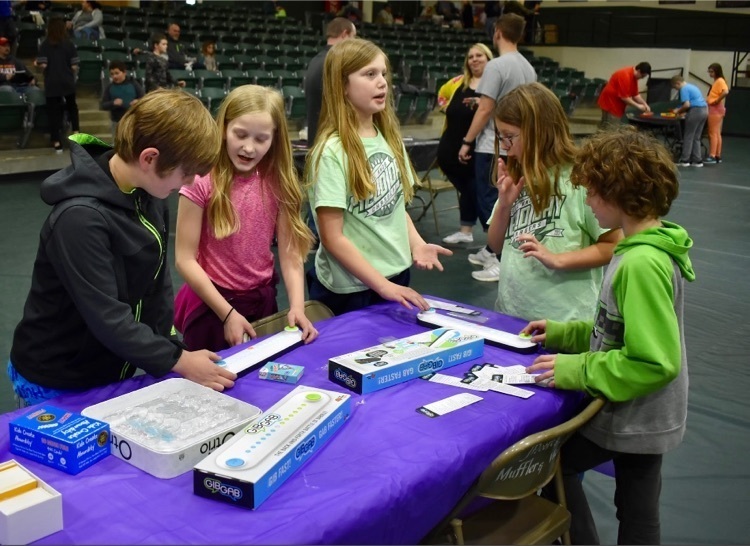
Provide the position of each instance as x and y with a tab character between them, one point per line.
360	178
552	246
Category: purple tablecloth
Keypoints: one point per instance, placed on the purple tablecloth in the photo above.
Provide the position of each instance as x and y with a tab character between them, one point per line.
387	477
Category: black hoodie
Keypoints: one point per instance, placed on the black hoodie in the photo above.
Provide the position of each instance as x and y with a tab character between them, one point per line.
101	300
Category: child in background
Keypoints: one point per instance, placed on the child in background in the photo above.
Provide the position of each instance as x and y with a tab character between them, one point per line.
208	55
101	300
633	352
361	177
226	223
553	248
120	94
158	75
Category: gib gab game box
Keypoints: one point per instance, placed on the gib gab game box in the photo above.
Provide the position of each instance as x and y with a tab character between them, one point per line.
246	470
65	440
403	359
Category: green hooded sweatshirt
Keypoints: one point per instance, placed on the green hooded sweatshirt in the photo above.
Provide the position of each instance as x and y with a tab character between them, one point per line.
634	353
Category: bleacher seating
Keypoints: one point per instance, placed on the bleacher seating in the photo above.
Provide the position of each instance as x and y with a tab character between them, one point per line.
275	53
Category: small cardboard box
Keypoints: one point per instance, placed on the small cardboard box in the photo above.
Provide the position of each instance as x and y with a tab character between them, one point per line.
246	470
276	371
65	440
394	362
30	515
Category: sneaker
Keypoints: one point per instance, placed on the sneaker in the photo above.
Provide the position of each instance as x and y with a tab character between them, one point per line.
459	237
697	164
482	257
490	273
683	164
718	159
710	160
58	148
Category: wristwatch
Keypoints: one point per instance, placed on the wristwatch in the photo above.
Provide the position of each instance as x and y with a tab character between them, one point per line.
466	142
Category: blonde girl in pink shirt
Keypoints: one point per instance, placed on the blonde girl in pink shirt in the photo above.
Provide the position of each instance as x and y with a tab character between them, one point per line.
226	222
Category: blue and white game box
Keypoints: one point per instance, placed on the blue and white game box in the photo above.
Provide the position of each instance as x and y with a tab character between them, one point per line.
65	440
247	469
400	360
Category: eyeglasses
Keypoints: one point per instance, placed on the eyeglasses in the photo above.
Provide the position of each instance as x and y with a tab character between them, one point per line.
506	140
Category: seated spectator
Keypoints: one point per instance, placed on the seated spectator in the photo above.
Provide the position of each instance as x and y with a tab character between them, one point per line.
176	50
157	66
208	55
87	22
119	95
385	15
13	72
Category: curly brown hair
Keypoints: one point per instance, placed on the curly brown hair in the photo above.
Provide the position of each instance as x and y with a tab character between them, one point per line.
629	169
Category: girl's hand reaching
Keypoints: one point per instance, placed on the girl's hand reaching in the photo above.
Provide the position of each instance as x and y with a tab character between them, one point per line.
297	317
508	189
403	295
427	256
532	248
537	329
237	329
545	364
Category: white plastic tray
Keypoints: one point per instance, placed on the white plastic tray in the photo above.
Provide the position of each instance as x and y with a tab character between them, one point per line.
167	428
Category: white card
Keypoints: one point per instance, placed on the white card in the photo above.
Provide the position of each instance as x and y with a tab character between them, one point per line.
452	403
510	390
479	385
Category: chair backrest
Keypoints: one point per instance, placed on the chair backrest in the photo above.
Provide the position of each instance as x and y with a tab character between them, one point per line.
530	463
314	310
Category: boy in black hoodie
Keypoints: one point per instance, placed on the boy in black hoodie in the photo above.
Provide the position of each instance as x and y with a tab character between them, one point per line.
101	300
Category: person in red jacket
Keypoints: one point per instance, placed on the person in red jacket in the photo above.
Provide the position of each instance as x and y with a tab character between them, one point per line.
622	90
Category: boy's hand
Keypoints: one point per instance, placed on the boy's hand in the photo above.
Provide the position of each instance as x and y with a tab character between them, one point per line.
537	329
117	102
297	317
532	248
545	364
237	329
200	367
403	295
427	256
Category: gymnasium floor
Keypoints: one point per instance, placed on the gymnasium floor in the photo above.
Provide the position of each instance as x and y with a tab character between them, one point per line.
705	496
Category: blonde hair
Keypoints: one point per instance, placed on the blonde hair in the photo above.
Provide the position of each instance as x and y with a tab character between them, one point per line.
276	167
547	144
339	118
176	124
467	71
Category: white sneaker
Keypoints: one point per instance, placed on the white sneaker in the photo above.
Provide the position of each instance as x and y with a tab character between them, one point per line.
482	257
490	273
459	237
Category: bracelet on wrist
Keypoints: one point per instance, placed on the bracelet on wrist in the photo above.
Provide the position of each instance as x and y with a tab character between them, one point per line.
227	317
467	142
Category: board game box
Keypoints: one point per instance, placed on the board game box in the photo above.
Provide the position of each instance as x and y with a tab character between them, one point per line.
246	470
400	360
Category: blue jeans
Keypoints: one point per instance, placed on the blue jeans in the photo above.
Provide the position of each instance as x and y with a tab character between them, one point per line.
343	303
484	186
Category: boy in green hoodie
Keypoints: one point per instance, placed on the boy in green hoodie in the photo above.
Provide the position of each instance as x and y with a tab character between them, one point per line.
633	353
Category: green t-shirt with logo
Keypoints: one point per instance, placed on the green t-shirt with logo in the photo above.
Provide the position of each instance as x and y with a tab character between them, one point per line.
376	225
529	290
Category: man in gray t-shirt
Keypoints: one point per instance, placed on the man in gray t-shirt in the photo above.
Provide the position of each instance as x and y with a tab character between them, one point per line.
501	76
